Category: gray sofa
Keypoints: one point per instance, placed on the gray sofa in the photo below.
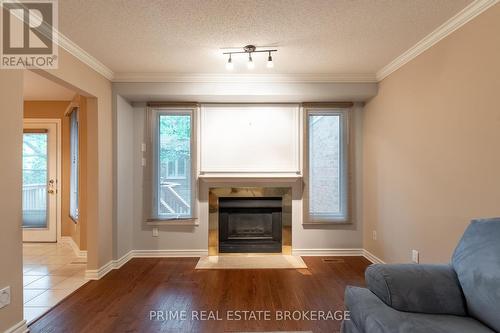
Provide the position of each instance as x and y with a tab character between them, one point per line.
463	296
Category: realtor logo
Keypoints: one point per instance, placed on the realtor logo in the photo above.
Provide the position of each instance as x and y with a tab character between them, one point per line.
28	34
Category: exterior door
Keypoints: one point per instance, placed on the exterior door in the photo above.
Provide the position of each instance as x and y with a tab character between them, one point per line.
40	186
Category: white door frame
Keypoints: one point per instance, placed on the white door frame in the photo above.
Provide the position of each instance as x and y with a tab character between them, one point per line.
57	122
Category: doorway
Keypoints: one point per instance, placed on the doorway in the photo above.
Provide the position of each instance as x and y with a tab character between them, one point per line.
41	195
54	205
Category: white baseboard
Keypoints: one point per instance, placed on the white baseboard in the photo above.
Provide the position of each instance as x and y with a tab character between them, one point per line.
327	252
20	327
338	252
371	257
96	274
123	260
168	253
69	240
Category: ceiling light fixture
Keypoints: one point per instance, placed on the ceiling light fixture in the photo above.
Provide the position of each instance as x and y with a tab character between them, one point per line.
249	49
229	64
270	63
250	63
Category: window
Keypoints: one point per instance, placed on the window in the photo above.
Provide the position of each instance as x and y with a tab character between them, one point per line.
73	182
326	166
173	190
181	167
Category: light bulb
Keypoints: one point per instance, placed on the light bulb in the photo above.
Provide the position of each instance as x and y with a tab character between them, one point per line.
270	63
229	64
250	63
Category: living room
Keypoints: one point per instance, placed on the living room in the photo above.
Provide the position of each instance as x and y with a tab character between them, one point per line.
305	166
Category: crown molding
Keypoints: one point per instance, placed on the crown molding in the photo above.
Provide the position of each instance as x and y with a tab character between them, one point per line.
83	55
467	14
461	18
75	50
246	78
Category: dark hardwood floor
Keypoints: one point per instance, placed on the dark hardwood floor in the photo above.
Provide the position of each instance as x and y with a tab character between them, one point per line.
123	299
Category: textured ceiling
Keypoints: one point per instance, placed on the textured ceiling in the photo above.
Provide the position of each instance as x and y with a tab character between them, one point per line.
313	36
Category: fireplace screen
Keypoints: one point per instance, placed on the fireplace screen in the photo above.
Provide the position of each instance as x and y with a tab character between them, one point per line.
250	225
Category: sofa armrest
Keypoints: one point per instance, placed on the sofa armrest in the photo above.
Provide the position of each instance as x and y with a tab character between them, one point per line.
430	289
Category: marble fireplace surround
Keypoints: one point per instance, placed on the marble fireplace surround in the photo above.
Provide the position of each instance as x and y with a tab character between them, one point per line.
214	192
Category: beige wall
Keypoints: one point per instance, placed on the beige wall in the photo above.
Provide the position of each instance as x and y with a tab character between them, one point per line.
431	146
56	110
125	151
11	140
79	77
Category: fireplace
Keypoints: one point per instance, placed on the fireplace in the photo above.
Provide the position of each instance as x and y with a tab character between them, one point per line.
250	225
280	200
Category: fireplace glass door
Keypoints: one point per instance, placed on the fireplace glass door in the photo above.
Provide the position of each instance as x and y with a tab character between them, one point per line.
250	225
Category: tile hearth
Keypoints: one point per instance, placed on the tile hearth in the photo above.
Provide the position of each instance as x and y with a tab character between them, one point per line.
251	261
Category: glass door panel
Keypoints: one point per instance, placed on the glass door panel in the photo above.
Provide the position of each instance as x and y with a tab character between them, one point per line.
35	180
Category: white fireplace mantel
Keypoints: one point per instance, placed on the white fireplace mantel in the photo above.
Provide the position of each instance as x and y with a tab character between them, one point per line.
231	178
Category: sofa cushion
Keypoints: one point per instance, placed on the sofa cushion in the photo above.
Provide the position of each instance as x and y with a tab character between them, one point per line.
348	326
417	288
477	263
370	315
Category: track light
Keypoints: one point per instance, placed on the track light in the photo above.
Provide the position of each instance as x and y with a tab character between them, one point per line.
249	49
250	63
229	64
270	63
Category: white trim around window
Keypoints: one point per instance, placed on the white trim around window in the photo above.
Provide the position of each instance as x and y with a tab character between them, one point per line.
74	183
158	210
326	195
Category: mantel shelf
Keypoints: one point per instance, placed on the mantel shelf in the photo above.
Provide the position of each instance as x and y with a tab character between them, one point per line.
250	177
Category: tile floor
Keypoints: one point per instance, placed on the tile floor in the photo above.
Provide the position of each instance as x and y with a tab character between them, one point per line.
52	271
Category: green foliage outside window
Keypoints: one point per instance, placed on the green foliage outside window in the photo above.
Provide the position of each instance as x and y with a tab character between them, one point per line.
34	158
175	137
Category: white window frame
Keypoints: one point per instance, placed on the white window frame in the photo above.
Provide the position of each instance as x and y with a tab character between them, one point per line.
152	191
345	190
74	166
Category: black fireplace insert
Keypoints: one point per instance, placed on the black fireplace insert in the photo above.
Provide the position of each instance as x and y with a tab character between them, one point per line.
250	225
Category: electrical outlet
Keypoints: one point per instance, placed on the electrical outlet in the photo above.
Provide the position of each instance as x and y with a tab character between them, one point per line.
155	232
415	256
143	147
4	297
374	235
143	162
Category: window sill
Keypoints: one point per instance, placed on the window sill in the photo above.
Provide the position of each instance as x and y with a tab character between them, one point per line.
187	222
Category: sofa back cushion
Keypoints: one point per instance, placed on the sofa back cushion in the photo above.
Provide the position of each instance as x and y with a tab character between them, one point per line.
476	261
